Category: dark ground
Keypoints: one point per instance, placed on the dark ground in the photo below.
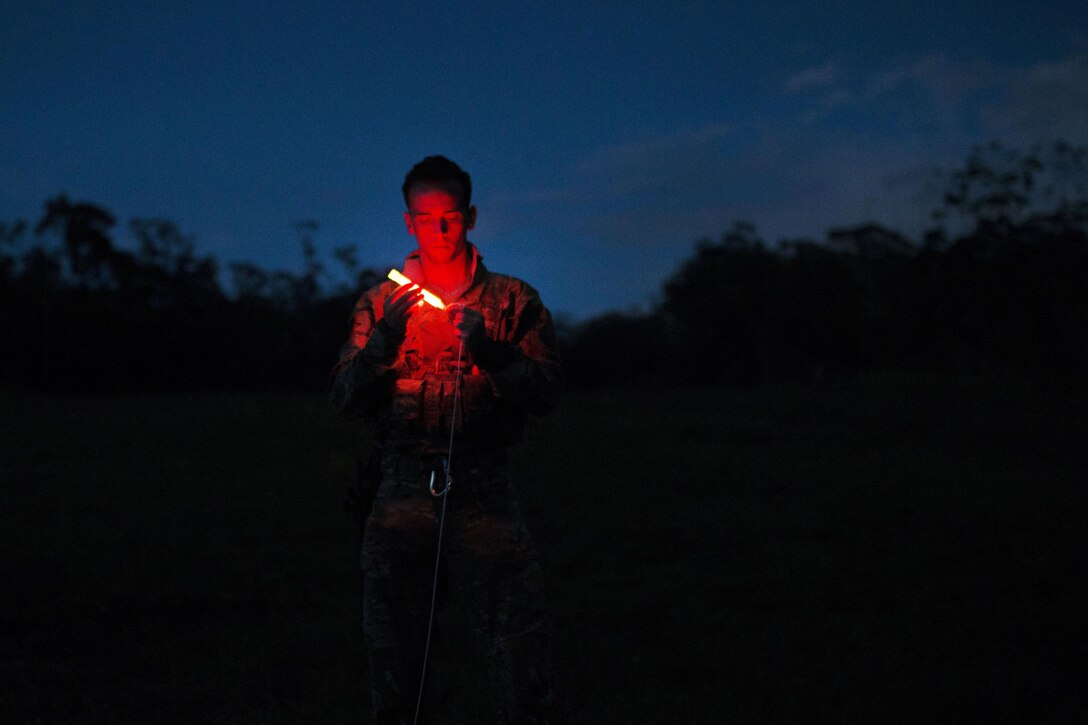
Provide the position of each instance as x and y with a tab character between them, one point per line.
894	550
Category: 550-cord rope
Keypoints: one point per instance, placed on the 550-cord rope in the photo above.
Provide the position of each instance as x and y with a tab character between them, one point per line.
442	492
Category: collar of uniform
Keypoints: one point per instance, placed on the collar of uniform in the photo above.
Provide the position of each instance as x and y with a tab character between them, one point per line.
413	269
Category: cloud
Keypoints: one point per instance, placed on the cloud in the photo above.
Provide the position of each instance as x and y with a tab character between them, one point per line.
615	172
604	194
655	164
928	90
650	227
1042	103
813	78
941	78
1019	105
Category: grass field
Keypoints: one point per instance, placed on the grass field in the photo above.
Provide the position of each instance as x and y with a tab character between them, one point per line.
895	550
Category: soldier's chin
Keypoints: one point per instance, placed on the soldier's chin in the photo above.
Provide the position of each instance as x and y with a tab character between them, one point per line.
441	254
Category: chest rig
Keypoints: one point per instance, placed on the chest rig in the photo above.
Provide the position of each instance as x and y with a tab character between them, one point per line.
421	406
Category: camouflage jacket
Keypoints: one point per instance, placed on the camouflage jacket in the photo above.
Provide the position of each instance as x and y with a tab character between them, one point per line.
405	385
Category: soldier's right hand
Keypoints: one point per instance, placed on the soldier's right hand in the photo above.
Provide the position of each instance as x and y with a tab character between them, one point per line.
399	306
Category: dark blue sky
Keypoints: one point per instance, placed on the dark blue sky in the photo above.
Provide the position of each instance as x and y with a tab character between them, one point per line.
604	138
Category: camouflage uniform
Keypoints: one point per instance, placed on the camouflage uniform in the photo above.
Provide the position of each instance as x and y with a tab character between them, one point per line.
406	386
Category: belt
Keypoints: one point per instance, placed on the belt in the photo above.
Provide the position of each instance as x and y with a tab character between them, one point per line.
411	466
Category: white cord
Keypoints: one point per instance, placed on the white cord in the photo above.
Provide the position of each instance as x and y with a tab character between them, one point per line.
453	415
441	526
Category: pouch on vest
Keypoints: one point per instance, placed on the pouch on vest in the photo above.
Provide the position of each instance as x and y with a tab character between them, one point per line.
407	399
478	400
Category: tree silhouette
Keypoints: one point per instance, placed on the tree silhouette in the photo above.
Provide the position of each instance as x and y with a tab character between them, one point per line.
722	304
84	230
11	236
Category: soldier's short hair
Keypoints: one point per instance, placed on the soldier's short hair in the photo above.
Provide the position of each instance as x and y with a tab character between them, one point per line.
435	170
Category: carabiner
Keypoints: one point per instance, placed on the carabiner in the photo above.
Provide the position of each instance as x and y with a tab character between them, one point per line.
436	492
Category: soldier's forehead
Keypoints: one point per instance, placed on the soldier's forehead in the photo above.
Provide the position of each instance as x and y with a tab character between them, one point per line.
448	187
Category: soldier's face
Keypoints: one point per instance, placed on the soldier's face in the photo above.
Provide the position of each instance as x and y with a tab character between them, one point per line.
439	221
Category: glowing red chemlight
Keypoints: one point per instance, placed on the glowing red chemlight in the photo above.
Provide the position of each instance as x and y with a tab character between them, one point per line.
429	297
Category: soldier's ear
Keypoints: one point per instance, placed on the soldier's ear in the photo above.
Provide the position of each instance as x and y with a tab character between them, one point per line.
408	223
470	217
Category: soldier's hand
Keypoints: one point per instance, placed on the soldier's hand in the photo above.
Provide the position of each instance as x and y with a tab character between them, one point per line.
470	327
399	306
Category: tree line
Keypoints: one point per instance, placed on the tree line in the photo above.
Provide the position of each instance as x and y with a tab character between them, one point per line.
995	286
81	314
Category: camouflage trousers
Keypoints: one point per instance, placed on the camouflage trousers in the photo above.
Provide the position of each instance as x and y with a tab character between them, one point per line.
488	553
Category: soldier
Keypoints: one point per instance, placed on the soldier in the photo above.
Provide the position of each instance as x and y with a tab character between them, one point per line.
480	365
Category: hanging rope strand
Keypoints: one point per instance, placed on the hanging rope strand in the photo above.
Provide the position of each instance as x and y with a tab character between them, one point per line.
453	414
443	493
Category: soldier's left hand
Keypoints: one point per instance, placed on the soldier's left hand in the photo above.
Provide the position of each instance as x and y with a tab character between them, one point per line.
469	325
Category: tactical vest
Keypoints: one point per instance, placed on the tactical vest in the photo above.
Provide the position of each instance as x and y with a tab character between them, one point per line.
421	406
